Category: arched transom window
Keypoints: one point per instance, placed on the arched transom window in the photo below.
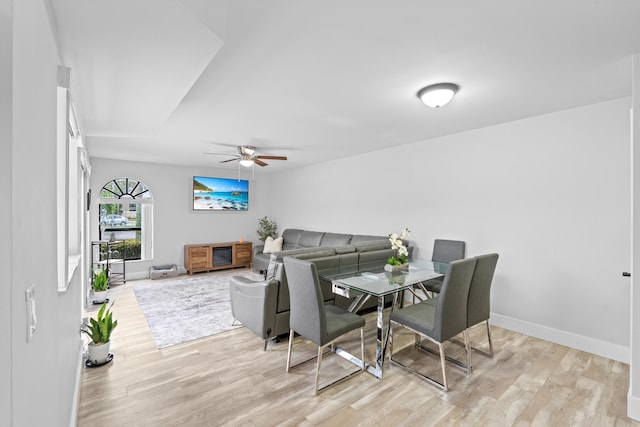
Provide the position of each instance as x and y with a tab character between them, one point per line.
125	188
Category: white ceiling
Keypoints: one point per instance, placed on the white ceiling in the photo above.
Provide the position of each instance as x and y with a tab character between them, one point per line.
168	80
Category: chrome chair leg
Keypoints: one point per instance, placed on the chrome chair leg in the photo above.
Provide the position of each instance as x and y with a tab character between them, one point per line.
390	341
362	348
291	335
467	350
489	353
440	352
320	350
489	337
444	370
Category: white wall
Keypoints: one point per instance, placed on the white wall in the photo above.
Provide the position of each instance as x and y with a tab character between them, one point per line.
175	223
6	38
44	370
550	194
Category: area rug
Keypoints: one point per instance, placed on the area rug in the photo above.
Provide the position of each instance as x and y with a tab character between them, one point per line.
188	308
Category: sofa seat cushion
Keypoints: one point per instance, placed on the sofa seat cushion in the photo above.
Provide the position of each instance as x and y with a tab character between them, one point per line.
334	239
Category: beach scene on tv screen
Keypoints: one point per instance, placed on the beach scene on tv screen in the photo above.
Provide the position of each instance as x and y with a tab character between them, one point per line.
220	194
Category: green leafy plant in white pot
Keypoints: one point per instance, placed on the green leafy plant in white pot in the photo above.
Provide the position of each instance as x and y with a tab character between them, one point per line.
100	286
99	331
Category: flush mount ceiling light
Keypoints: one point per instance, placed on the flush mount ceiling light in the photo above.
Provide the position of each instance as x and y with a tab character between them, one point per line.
435	96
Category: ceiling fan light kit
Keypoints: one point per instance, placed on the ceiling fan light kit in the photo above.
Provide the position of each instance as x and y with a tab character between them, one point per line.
438	95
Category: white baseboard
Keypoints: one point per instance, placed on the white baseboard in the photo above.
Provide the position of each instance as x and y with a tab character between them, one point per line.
633	406
137	275
579	342
75	403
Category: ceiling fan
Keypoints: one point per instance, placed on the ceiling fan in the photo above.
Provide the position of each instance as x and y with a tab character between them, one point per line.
247	156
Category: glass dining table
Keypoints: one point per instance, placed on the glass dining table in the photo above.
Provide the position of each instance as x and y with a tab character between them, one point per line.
371	280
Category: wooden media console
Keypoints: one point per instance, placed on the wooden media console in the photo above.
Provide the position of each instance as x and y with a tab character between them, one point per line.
217	256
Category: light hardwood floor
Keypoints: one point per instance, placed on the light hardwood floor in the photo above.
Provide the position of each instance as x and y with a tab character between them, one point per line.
227	379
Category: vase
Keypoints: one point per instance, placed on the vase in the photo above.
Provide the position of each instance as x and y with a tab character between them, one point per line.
396	278
393	268
100	296
98	353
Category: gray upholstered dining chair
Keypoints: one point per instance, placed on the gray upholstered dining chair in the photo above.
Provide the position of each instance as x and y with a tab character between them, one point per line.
310	317
479	301
444	251
440	318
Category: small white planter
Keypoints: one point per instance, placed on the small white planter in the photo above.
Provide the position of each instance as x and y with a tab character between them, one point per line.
98	353
99	296
393	268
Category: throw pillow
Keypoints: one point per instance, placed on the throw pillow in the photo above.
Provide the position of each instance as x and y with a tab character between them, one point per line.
272	245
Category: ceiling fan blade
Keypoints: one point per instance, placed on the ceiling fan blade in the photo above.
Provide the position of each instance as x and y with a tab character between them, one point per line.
222	154
230	160
272	157
260	162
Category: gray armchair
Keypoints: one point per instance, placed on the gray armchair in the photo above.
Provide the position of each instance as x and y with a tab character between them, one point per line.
254	305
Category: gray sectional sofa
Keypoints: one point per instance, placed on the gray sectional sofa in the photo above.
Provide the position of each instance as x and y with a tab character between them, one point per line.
295	241
263	306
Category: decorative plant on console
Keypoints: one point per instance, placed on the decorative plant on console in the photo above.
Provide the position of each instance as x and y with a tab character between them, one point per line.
399	261
99	330
267	229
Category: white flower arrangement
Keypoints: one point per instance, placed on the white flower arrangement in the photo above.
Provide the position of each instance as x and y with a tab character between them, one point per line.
397	244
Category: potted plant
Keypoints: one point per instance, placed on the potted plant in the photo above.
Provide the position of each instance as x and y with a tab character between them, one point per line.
399	261
100	286
99	330
267	229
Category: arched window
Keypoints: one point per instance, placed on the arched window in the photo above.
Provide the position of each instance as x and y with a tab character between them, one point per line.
126	208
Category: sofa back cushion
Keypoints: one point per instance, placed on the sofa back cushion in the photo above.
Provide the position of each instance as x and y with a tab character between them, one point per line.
290	238
378	256
334	239
310	239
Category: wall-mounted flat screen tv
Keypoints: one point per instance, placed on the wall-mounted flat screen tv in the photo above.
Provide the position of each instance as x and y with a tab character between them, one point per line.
220	194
